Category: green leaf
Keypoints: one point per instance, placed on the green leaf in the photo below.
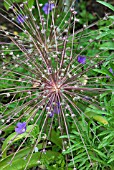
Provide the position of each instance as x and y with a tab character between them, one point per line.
100	119
105	142
8	129
104	71
55	139
30	3
106	4
107	46
8	3
101	154
93	113
105	33
97	159
102	35
111	17
111	159
77	157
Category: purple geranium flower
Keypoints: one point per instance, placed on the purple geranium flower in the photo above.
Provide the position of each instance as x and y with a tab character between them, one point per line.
20	127
47	8
21	19
81	59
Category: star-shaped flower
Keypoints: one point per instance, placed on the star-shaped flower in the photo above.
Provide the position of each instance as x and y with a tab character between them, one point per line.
20	127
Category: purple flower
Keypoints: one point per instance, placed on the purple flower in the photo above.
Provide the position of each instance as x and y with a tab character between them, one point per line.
81	59
20	127
47	8
56	108
111	71
51	115
21	19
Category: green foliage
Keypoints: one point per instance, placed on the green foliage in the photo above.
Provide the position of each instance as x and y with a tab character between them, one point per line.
20	160
104	71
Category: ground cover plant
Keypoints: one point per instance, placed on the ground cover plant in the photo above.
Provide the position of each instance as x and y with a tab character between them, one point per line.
56	87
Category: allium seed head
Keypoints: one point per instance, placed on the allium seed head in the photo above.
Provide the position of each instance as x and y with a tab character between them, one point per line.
51	80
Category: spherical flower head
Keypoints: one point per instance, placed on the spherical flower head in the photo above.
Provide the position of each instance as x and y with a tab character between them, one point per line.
81	59
20	127
47	8
20	19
